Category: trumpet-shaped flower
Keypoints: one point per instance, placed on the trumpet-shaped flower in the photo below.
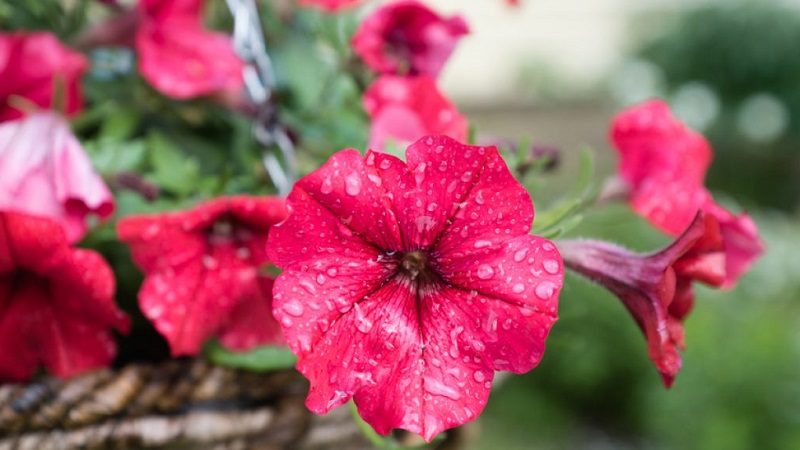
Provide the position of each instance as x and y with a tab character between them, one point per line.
407	38
664	163
56	302
655	288
404	109
32	66
47	173
407	284
202	274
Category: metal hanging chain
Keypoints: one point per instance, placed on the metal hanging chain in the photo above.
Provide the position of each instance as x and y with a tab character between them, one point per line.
259	80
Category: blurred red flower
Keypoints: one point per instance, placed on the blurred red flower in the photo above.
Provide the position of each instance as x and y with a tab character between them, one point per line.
406	285
202	274
403	109
664	163
47	173
30	64
181	58
56	302
330	5
407	38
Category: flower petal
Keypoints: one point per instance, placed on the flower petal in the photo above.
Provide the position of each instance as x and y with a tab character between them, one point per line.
251	323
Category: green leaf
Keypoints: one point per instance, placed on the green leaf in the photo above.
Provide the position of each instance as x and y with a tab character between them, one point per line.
586	166
110	156
120	124
172	170
260	359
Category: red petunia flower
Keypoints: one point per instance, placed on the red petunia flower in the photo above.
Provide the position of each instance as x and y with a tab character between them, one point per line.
178	56
407	284
664	163
46	172
330	5
407	38
202	272
30	64
656	288
404	109
56	302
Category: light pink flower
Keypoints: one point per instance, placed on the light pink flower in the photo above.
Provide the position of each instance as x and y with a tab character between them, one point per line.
407	284
403	109
46	172
407	38
29	67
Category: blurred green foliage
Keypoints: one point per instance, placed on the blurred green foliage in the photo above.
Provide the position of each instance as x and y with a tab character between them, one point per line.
744	51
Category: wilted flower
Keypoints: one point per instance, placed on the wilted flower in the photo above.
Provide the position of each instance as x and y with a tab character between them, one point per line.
656	288
403	109
407	38
202	275
32	66
46	172
56	302
663	164
407	284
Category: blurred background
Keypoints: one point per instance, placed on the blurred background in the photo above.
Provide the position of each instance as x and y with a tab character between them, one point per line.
556	72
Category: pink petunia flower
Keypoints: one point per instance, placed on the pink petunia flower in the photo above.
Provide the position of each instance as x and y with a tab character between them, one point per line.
30	64
330	5
178	56
202	274
56	302
404	109
407	38
407	284
46	172
663	164
656	288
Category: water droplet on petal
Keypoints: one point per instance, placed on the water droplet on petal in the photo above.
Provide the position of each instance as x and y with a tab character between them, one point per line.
520	255
327	186
320	279
479	376
385	164
479	198
352	184
482	244
545	290
436	387
294	308
209	262
485	272
518	288
548	247
332	271
551	266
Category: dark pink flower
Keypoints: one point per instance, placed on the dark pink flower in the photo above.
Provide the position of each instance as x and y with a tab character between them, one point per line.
663	164
181	58
403	109
202	274
407	284
30	64
656	288
330	5
407	38
47	173
56	302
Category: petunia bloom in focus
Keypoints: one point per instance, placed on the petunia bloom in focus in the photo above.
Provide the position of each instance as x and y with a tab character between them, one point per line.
47	173
655	288
181	58
407	38
56	302
663	164
404	109
407	284
202	274
31	65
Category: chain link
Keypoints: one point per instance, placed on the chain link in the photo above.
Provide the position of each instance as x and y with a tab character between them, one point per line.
260	81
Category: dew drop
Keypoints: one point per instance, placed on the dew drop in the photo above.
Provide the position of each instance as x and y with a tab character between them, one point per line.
385	164
209	262
293	308
485	272
518	288
436	387
432	207
551	266
548	247
520	255
479	376
545	290
320	279
479	198
482	244
327	186
419	173
332	271
352	184
310	288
